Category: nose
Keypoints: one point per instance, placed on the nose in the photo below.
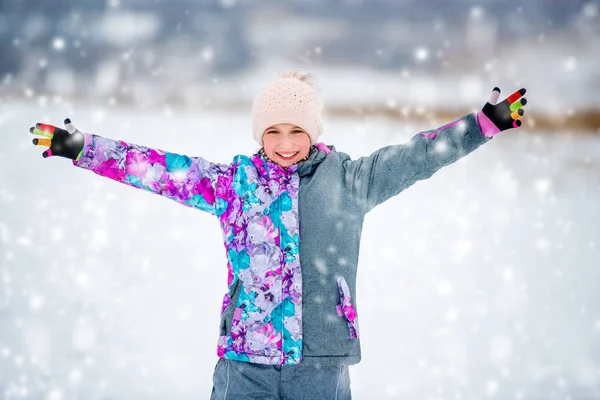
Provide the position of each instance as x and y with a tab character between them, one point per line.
287	141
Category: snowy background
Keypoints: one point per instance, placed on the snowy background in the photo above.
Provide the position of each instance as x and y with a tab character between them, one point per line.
481	282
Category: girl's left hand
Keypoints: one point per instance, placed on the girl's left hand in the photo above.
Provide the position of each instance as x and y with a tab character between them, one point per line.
505	115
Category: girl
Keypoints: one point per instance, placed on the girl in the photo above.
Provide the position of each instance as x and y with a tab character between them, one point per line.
291	216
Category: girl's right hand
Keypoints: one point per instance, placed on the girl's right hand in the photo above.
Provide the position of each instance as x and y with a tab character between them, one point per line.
64	143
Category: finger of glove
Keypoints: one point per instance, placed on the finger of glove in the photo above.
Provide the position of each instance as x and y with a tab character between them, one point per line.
69	125
47	153
42	142
43	130
516	95
495	95
518	104
517	114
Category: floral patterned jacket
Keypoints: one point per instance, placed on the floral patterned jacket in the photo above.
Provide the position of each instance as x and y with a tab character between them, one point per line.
291	236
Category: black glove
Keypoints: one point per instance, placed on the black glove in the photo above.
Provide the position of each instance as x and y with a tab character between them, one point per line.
64	143
506	114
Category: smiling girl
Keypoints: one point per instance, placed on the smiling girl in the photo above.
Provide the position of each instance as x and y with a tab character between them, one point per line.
291	216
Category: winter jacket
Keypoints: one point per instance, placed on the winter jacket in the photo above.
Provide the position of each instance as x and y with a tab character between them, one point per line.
291	236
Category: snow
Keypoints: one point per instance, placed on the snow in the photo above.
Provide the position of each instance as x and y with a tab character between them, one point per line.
58	44
479	282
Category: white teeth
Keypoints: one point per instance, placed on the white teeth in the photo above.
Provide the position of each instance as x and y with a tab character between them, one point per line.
288	155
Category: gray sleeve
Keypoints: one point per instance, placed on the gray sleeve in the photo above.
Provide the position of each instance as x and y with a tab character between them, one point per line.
389	170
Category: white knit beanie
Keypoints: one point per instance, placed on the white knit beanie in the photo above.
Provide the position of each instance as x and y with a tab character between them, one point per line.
293	99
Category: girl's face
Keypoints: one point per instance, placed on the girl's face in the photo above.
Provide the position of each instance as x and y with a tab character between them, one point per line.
286	144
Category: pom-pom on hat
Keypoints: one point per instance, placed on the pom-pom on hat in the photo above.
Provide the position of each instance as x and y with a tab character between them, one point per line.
291	99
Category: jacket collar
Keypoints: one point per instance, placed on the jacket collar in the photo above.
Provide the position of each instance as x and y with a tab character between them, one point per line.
271	170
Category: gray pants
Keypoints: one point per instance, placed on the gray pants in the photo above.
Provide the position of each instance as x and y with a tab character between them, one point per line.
242	380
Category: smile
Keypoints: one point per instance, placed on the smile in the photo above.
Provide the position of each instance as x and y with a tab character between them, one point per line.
287	156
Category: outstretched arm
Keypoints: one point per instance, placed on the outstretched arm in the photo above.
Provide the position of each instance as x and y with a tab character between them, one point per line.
391	169
191	181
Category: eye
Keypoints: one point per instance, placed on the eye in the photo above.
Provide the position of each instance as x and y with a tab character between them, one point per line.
297	131
273	131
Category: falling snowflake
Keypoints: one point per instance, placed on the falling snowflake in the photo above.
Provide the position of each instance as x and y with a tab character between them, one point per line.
227	3
570	64
55	395
491	387
58	44
590	10
36	302
476	12
441	146
445	288
75	376
451	315
542	186
208	53
421	53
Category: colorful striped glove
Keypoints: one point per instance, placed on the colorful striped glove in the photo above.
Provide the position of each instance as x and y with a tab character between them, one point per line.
64	143
495	118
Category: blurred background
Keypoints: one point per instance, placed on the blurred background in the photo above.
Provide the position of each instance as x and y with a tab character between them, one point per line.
479	283
218	53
